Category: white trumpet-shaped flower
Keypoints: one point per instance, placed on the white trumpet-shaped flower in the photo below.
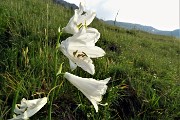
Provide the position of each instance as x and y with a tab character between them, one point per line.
80	18
81	47
91	88
28	108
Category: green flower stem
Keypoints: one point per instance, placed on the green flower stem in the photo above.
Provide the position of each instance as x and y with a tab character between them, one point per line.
16	97
54	88
14	101
55	81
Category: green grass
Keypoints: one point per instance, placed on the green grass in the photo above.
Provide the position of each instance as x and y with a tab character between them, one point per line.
144	67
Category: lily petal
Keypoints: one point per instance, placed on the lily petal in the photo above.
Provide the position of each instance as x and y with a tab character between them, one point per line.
92	51
79	19
81	47
87	65
73	66
77	58
81	9
87	18
91	88
39	103
89	35
28	108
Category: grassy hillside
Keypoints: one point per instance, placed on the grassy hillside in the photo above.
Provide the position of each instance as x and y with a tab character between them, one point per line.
144	67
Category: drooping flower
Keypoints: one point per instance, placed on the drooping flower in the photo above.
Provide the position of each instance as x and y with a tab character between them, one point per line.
81	47
79	19
91	88
28	108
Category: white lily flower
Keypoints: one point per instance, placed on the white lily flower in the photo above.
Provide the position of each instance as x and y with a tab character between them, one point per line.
81	47
28	108
91	88
79	19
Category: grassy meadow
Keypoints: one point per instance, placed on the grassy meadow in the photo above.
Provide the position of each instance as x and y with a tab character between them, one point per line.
144	68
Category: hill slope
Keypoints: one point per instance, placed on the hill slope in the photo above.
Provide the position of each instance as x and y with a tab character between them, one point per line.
144	68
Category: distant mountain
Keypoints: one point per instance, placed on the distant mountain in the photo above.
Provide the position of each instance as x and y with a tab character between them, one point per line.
175	33
66	4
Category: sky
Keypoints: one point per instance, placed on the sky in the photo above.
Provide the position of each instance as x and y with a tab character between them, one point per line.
160	14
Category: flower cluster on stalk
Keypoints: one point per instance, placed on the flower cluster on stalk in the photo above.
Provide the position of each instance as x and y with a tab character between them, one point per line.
79	49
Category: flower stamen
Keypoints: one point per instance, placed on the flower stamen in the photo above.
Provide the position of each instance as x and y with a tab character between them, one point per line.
74	53
80	26
81	54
